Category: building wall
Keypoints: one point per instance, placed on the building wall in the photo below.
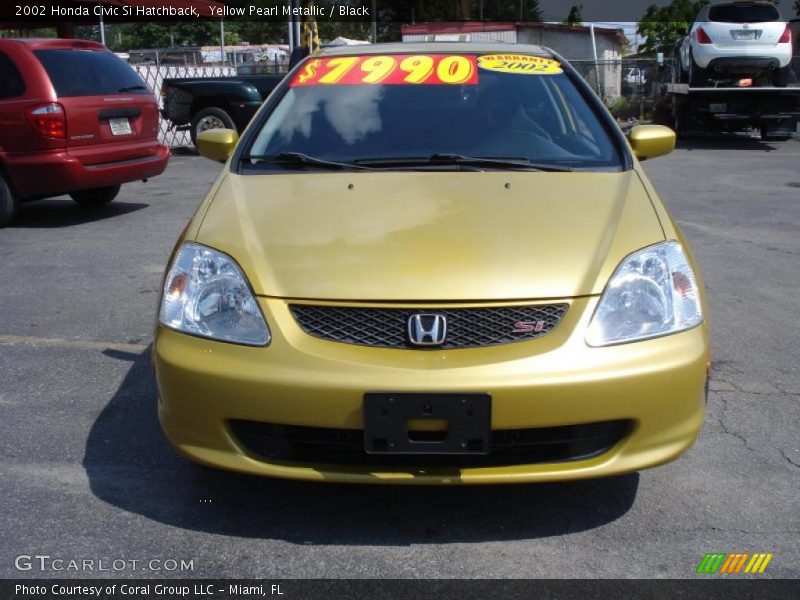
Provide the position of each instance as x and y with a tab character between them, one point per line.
509	37
576	46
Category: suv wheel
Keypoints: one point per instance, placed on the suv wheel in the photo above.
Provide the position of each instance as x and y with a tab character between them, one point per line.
8	202
210	118
96	196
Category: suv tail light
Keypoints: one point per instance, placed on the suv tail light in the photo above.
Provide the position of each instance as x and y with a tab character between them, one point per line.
49	120
786	38
702	36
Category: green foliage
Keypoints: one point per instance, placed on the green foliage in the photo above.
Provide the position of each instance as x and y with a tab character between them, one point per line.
663	26
622	108
130	36
574	17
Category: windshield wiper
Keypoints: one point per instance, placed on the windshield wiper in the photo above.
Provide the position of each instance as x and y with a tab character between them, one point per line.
300	159
130	88
499	162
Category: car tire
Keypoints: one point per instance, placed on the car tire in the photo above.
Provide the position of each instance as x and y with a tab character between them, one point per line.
780	78
210	118
96	196
697	75
8	202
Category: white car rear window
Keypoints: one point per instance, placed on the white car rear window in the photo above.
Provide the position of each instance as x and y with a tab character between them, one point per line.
743	13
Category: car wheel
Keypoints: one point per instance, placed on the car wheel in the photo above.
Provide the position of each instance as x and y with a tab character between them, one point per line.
697	75
96	196
210	118
8	202
780	78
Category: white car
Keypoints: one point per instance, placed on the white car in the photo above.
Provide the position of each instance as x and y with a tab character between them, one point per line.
735	40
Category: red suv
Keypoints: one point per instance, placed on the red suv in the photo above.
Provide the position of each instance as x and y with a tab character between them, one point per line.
74	119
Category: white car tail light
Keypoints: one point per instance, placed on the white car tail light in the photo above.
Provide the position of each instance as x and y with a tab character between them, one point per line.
702	36
786	38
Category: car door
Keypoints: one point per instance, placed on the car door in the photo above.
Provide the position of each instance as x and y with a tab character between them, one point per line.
12	105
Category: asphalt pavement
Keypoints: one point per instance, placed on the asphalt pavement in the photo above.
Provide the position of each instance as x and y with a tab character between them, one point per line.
87	475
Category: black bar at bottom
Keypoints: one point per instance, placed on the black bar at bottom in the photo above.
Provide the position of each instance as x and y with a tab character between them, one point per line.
732	587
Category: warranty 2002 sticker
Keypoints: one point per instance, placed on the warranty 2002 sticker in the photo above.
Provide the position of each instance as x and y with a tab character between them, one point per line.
524	64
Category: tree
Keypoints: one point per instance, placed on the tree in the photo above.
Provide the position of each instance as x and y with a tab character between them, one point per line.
574	17
663	26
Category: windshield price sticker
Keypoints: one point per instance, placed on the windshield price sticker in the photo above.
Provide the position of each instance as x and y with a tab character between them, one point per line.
523	64
395	69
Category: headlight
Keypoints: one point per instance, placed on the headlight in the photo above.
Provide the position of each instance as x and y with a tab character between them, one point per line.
652	293
206	294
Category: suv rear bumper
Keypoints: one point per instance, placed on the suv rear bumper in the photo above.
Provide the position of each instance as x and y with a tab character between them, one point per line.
705	55
743	65
42	174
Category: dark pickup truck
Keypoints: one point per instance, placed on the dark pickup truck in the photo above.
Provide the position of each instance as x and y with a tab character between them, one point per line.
198	104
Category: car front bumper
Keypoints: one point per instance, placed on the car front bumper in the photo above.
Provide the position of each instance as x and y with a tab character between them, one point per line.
658	386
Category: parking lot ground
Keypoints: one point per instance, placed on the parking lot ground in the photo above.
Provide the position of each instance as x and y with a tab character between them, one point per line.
87	474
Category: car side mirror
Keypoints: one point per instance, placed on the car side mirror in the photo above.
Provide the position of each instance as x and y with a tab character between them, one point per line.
649	141
217	144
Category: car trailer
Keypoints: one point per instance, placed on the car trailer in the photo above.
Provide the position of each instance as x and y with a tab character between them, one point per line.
773	111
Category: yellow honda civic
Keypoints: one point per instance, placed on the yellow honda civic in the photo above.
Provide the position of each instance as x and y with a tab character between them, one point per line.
432	264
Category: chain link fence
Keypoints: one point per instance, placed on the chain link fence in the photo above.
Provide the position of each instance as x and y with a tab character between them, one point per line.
154	76
630	88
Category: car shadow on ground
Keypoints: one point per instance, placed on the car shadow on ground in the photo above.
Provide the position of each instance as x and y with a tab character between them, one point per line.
131	466
726	142
53	213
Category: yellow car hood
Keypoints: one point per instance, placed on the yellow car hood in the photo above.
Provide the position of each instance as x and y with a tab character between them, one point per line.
439	236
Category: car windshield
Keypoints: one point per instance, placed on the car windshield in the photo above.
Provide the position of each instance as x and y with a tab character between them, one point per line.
743	13
394	111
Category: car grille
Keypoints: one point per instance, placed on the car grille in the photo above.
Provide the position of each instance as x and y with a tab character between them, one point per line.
345	447
466	327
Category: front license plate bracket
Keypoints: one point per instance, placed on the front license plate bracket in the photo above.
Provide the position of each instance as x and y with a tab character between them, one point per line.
468	418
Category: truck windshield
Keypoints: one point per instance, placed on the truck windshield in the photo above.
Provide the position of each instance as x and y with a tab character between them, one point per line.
389	109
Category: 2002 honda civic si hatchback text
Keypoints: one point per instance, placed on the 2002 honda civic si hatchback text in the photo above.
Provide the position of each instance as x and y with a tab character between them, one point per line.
435	263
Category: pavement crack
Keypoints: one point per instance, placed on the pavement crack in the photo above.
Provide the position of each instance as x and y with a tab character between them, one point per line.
727	430
738	436
788	459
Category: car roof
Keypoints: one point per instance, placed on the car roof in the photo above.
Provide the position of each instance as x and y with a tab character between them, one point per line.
57	43
437	47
